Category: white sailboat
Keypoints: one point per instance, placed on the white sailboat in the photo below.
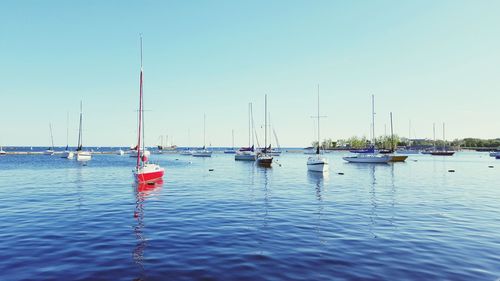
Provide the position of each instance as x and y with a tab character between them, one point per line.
67	153
2	152
369	157
232	150
317	163
248	153
81	155
50	150
263	158
203	152
275	151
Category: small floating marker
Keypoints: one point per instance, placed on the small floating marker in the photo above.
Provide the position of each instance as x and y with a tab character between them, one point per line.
490	166
451	171
210	170
176	159
340	174
414	160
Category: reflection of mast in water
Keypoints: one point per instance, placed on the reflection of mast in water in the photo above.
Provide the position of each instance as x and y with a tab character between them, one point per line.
265	214
318	179
142	192
373	214
393	195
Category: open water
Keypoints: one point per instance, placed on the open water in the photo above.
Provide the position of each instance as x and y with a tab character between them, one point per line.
403	221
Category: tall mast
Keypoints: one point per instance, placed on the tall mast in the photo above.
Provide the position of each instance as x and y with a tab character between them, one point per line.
253	124
204	129
67	130
51	137
434	134
232	133
373	120
249	126
392	136
317	150
139	130
409	132
444	140
265	124
80	137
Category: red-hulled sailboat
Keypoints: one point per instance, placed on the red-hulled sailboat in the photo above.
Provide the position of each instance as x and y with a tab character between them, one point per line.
144	171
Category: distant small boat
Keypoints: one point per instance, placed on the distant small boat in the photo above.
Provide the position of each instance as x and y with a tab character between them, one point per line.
495	153
398	158
67	153
120	152
232	150
310	150
2	152
442	153
317	163
263	158
370	157
248	153
81	155
363	150
50	150
407	151
144	152
245	154
186	152
203	152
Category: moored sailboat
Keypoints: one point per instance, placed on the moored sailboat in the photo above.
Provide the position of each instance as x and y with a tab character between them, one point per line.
67	153
232	150
248	153
50	150
317	163
81	155
263	158
203	152
144	170
443	151
369	157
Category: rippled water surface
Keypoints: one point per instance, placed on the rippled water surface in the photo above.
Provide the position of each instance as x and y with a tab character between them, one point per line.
412	220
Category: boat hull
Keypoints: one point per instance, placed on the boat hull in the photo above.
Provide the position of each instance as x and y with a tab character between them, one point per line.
369	159
149	173
265	161
202	154
67	154
443	153
245	157
83	156
315	164
398	158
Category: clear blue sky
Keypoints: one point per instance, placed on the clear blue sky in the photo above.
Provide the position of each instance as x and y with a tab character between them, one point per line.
428	61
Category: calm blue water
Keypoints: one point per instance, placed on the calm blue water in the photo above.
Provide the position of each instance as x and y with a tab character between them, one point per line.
413	221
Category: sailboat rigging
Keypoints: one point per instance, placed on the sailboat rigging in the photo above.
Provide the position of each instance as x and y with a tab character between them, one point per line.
144	170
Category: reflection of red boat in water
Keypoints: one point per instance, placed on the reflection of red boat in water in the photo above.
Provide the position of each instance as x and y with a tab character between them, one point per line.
149	187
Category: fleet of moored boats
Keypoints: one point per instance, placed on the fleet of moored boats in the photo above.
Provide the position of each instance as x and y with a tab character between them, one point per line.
145	171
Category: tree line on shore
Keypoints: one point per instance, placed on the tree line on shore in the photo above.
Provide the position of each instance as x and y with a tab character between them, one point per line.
386	141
